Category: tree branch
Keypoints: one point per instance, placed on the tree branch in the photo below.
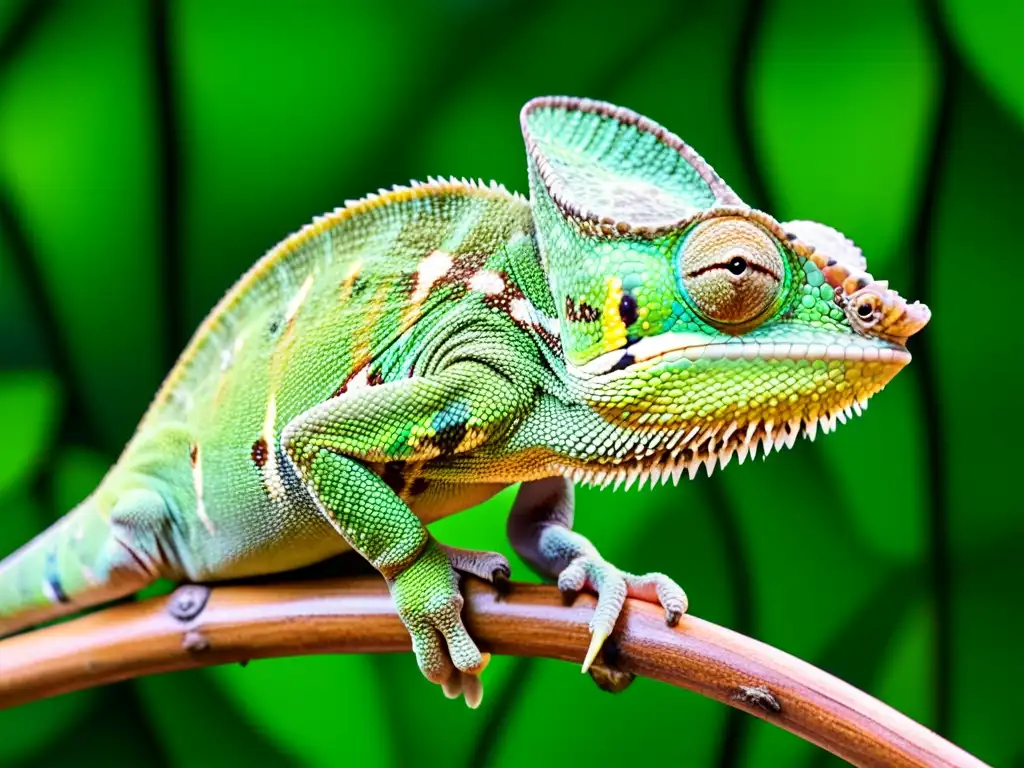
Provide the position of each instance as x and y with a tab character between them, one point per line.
355	615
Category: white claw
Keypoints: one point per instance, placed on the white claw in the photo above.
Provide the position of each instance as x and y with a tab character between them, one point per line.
596	641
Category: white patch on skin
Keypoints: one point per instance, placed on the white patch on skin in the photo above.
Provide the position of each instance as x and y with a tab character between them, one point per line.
298	298
49	592
432	268
197	484
271	472
228	354
360	380
522	311
487	281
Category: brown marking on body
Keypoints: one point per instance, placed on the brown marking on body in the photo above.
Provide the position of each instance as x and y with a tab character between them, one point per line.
193	454
259	452
503	301
464	266
418	486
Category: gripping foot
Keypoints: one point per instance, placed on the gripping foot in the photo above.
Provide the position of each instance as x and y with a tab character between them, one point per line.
489	566
613	586
429	603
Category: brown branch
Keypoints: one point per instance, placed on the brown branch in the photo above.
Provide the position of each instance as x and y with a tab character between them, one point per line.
355	615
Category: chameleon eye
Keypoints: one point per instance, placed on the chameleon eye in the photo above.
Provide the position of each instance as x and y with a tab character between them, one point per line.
732	270
627	309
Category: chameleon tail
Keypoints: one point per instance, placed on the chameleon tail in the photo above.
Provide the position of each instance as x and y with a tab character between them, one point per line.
80	561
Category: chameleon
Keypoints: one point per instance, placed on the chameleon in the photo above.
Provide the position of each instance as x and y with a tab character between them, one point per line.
410	354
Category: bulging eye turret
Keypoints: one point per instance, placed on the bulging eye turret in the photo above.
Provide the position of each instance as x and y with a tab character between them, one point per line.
731	269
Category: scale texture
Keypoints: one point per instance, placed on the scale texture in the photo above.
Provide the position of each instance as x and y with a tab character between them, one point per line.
410	354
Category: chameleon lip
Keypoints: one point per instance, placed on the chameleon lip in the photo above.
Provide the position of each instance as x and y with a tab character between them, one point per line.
671	347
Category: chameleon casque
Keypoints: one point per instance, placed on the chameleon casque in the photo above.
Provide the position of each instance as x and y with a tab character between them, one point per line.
407	356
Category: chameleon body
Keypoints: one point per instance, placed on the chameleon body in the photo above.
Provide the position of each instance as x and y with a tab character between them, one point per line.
407	356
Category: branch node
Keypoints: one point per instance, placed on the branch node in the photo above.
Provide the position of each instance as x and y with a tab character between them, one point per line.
758	696
188	601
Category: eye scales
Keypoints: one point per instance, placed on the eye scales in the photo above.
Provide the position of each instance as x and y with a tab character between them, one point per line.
408	355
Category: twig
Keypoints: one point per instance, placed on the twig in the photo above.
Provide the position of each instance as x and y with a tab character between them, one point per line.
355	615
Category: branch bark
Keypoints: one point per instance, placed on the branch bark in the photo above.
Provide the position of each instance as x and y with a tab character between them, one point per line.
355	615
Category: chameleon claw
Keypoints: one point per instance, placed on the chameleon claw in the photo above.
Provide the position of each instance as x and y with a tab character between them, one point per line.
452	687
473	690
596	641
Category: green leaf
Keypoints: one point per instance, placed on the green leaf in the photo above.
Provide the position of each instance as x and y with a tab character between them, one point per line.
987	35
279	103
28	410
320	706
976	215
77	473
842	109
77	143
182	708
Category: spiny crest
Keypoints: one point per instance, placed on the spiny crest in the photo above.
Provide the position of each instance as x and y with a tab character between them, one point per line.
686	452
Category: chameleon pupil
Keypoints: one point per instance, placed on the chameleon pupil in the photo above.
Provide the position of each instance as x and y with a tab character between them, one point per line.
738	265
627	309
864	310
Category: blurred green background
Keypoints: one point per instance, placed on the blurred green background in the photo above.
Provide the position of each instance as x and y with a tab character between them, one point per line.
150	151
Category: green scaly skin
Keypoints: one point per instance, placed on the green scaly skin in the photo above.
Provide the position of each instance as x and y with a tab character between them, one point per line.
409	355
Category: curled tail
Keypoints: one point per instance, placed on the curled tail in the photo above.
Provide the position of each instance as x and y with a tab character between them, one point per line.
89	556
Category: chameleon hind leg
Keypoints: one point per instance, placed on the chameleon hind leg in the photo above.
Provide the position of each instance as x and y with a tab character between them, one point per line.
540	529
411	420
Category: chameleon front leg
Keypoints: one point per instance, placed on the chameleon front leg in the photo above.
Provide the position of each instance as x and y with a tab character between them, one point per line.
412	420
540	529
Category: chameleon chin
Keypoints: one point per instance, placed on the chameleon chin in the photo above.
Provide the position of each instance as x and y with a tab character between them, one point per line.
407	355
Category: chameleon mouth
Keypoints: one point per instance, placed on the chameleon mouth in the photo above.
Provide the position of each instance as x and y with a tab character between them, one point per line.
673	347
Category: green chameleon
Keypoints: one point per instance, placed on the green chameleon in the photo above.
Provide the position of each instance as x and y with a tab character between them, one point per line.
407	356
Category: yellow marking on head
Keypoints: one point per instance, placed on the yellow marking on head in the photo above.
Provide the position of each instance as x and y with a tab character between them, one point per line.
613	330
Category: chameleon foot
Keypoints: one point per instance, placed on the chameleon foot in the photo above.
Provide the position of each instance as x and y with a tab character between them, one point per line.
489	566
613	587
429	603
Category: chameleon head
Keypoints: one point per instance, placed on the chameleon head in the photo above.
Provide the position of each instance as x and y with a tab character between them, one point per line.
701	326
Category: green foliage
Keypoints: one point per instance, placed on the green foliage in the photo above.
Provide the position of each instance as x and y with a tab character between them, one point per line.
887	553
